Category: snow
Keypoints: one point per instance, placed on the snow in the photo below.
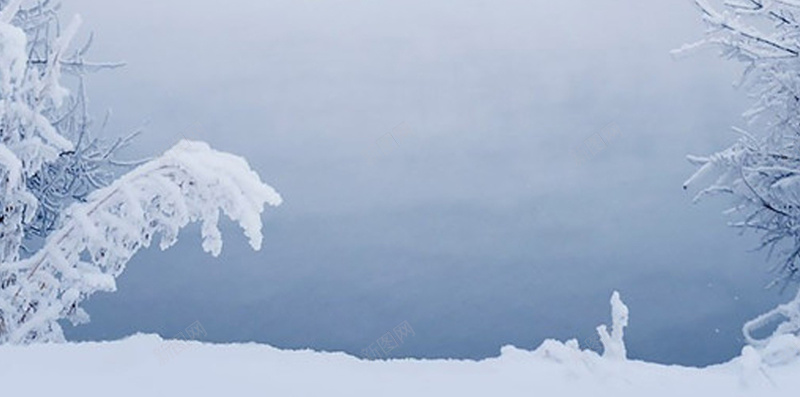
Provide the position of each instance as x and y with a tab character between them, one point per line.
52	80
146	365
12	54
189	183
786	316
11	168
193	183
759	170
8	12
613	343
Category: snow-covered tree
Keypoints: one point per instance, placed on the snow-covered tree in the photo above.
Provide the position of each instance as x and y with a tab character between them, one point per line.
761	170
58	190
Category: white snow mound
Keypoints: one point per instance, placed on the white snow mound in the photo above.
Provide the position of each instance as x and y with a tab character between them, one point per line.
146	365
139	366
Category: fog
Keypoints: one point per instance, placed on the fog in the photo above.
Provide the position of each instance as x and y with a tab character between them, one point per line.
477	223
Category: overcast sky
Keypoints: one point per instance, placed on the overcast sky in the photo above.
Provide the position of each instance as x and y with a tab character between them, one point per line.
476	223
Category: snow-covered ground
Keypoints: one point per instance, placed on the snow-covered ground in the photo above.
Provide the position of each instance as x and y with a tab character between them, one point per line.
146	365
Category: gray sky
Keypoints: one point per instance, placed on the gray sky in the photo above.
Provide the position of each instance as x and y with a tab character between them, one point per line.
480	227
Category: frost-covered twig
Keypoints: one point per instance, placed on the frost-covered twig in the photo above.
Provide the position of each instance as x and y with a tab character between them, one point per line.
761	171
46	125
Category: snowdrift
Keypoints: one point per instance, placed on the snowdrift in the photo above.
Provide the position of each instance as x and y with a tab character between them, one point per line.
146	365
137	366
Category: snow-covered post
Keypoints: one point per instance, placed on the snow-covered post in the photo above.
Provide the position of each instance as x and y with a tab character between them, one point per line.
613	342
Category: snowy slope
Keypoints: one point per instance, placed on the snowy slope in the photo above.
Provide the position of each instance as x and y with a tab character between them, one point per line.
137	366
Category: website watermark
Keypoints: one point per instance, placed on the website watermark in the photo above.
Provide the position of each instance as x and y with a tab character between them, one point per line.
388	342
170	349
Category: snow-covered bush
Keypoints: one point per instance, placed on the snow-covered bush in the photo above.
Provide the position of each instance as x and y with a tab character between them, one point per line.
761	171
57	184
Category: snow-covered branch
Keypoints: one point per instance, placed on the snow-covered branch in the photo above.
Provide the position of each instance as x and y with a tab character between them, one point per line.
761	171
189	183
57	183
